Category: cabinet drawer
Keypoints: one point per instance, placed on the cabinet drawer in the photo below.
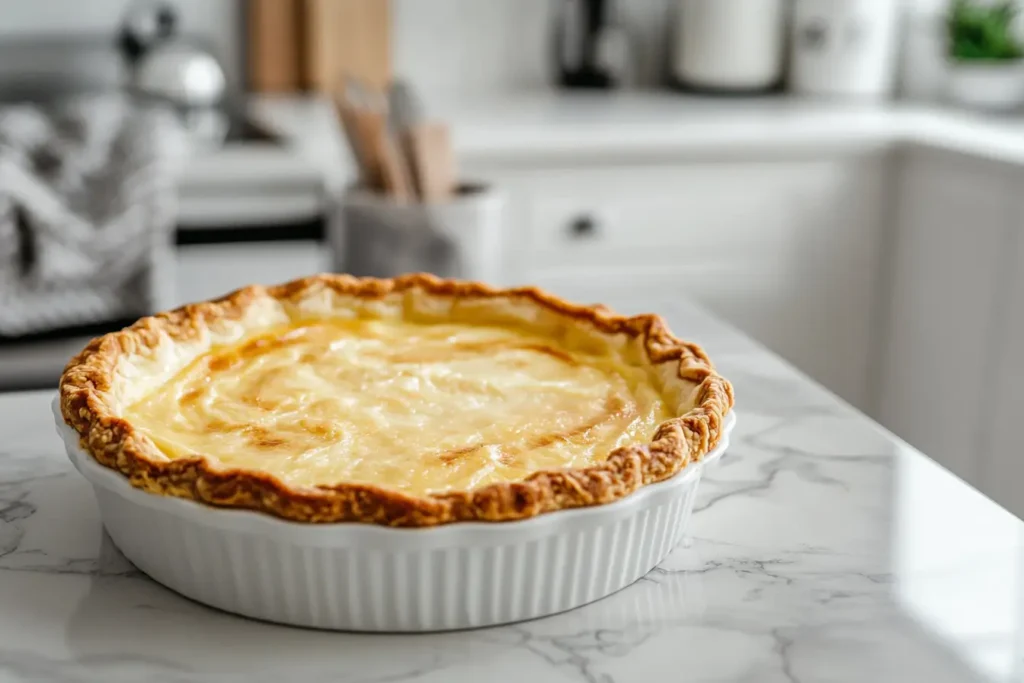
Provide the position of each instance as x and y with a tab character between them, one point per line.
670	214
674	214
207	271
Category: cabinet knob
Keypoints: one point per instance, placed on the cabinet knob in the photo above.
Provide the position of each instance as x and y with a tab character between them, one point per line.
583	226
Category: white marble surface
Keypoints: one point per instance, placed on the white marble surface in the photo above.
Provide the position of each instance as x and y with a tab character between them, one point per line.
583	127
822	549
248	184
535	126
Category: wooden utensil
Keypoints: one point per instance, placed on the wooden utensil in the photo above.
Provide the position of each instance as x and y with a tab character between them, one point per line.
429	150
394	172
358	111
397	153
363	111
369	127
350	126
349	102
405	113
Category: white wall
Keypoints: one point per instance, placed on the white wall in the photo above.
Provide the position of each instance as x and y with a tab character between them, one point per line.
923	68
453	45
218	22
448	45
59	16
927	5
474	45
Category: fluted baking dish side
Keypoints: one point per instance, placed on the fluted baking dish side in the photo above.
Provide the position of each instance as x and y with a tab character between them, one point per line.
362	577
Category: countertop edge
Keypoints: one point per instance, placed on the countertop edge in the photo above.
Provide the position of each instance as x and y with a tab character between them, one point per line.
520	130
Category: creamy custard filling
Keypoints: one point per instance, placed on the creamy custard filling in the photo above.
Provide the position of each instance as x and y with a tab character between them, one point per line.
419	408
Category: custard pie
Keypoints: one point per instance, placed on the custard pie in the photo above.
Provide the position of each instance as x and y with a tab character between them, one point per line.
412	401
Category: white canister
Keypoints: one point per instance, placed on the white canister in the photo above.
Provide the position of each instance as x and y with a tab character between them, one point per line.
844	47
729	44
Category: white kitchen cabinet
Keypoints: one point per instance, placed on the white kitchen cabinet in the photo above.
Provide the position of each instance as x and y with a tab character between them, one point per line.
954	217
787	249
210	270
1001	473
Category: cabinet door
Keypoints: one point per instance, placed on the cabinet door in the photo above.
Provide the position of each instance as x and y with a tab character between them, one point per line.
785	249
1002	470
952	224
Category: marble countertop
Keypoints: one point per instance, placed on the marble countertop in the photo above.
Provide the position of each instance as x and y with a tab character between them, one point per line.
821	549
257	183
538	126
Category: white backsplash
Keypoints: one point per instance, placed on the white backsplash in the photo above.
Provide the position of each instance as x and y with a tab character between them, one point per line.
464	46
459	46
217	22
452	46
922	62
933	6
468	45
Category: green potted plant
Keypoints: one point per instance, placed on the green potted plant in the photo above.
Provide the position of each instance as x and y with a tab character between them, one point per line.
986	70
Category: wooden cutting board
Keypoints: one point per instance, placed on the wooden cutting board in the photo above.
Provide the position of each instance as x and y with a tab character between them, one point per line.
345	37
273	54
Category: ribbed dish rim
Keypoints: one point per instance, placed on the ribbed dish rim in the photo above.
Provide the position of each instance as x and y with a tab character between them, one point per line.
252	522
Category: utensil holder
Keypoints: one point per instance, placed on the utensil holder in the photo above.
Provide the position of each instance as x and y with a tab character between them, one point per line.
375	236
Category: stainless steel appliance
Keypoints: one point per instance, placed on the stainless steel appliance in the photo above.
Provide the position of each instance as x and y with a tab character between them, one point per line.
592	49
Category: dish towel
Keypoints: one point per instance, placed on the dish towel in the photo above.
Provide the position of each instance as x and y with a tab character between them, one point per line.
87	210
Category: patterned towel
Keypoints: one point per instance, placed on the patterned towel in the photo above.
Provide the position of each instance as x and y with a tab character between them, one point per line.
87	209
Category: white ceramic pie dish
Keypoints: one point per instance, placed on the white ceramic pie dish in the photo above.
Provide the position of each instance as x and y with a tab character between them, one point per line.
361	577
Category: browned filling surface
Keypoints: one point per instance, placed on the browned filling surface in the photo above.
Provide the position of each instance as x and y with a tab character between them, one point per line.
415	407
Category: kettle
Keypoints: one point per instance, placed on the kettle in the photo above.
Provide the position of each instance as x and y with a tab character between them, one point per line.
164	66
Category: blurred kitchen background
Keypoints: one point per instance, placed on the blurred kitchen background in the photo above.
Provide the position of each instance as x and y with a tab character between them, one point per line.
840	179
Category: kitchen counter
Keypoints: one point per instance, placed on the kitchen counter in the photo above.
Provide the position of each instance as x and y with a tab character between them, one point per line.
314	153
263	183
254	183
258	183
536	126
822	549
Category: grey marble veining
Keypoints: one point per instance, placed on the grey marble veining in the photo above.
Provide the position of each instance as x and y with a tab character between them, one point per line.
822	549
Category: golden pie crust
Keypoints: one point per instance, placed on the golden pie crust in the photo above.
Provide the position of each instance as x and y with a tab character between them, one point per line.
115	371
